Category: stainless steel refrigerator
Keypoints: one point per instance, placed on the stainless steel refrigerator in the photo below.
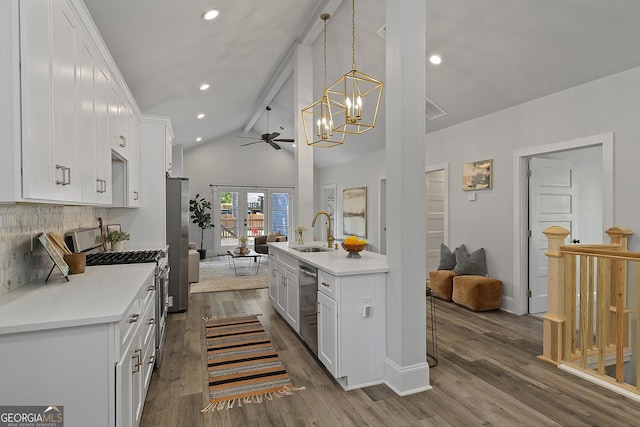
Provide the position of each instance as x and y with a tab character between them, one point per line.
178	241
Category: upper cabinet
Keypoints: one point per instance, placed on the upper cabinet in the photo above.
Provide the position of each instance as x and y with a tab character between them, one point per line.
49	33
66	108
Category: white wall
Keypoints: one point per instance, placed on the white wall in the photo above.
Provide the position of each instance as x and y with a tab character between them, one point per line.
601	106
364	172
226	162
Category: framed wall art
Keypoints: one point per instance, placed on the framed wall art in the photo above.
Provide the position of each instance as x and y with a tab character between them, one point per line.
354	212
477	175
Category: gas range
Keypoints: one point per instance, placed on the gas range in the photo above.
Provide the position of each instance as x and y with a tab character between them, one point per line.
127	257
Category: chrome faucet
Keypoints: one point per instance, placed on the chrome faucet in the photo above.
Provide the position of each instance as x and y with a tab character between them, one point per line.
330	238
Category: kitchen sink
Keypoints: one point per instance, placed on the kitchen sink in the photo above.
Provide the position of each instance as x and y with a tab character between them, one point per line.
310	249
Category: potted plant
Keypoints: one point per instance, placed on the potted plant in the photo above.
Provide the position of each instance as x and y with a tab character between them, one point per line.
199	207
116	238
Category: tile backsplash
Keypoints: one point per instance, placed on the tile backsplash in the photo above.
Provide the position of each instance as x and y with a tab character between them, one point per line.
22	257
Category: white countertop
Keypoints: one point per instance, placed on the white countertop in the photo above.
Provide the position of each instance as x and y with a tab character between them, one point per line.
335	262
101	294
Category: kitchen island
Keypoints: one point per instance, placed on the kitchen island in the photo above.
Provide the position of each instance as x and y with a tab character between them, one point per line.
349	302
86	345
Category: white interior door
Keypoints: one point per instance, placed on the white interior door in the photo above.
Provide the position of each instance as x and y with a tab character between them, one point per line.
435	216
551	202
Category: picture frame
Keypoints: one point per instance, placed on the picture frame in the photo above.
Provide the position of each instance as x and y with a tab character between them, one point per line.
114	227
477	175
354	212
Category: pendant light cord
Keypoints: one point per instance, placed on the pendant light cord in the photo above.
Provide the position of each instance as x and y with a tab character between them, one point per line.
353	34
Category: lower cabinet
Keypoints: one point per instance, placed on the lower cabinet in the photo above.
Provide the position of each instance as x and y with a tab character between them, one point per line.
328	333
284	288
98	372
133	371
351	327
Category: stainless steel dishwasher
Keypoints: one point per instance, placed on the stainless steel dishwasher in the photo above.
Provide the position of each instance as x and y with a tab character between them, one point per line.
309	305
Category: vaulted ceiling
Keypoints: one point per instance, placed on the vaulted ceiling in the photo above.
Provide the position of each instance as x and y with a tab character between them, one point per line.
496	54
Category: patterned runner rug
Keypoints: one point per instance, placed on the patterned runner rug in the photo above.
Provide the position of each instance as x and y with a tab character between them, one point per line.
242	363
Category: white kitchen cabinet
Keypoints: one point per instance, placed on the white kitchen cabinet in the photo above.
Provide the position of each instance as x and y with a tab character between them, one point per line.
168	151
284	287
328	333
133	370
93	120
85	354
49	33
133	161
55	71
351	327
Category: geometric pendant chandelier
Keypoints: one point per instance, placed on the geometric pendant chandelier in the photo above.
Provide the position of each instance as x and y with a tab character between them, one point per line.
354	97
316	118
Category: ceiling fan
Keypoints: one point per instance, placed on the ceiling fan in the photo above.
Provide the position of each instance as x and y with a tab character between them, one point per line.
269	138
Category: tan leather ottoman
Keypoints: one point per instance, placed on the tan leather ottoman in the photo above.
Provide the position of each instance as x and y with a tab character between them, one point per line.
441	283
479	293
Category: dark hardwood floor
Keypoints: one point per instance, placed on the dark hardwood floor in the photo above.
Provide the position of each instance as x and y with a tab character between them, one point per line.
487	375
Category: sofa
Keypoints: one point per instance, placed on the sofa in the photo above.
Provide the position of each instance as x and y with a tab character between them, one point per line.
462	278
260	243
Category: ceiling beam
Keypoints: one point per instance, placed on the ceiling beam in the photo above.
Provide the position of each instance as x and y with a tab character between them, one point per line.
308	36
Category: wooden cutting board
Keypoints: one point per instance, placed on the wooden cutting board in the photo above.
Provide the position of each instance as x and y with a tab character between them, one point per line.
59	242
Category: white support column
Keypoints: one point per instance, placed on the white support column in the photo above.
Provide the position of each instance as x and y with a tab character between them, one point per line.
303	96
406	369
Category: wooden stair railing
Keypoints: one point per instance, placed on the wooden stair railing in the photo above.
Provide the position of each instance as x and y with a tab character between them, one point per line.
587	324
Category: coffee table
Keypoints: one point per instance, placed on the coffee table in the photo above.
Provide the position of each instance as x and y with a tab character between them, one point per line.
232	254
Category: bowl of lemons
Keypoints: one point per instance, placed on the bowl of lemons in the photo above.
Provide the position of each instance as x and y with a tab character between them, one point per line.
354	245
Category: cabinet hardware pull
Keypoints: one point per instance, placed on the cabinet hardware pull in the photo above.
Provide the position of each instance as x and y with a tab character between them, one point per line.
137	354
136	195
151	321
66	173
326	285
151	288
152	359
123	141
134	318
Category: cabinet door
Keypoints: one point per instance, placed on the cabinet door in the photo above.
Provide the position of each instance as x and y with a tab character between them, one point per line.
103	149
168	153
64	65
125	372
293	300
37	139
281	302
273	283
87	120
48	50
328	333
133	161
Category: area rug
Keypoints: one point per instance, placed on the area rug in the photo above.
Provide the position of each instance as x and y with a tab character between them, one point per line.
243	366
217	275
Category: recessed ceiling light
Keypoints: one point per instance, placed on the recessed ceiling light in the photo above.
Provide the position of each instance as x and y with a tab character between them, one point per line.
198	139
200	116
435	59
210	14
204	86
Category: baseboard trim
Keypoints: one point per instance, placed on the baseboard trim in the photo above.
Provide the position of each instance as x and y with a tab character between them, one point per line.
406	380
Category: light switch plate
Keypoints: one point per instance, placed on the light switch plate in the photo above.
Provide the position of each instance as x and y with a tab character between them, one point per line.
472	196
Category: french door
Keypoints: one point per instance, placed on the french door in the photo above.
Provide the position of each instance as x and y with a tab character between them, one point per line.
249	212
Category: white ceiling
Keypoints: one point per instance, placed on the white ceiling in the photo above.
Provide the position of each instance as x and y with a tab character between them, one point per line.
496	54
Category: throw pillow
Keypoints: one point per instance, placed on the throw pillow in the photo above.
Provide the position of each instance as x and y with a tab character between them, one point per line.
272	237
447	258
471	264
